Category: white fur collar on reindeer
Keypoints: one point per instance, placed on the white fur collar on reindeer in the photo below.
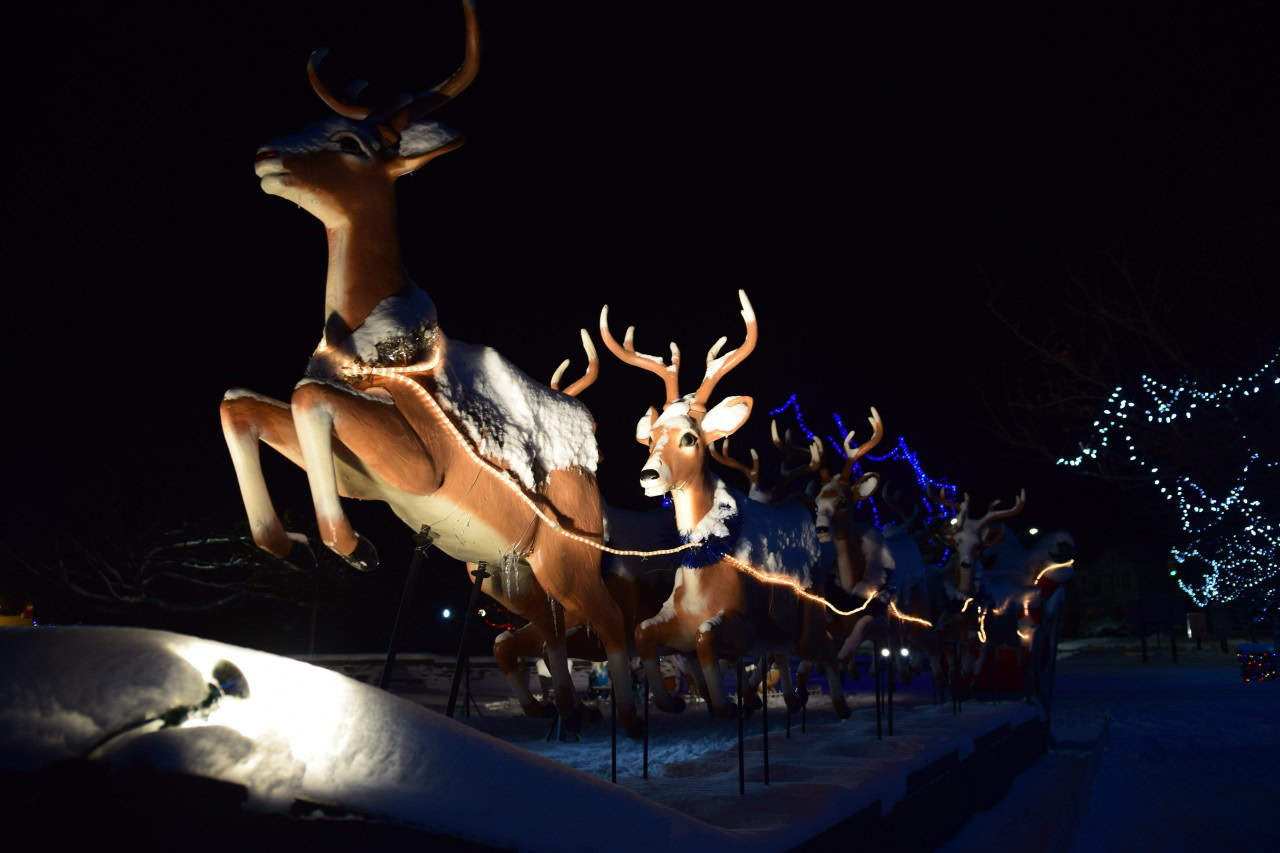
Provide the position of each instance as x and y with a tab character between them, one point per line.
778	539
723	508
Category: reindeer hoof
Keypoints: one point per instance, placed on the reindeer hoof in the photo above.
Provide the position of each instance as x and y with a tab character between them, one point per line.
751	701
539	710
364	558
673	705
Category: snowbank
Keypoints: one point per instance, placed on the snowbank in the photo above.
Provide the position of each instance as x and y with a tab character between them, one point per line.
303	732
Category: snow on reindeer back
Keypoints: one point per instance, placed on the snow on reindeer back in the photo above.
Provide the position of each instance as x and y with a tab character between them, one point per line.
531	429
778	539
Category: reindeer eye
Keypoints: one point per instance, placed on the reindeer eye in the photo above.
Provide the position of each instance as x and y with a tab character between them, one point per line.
348	144
688	440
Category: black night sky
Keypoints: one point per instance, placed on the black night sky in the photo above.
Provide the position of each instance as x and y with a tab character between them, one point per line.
871	178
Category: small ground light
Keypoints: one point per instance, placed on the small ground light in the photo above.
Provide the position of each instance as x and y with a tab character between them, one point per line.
481	611
1033	531
906	653
446	613
884	653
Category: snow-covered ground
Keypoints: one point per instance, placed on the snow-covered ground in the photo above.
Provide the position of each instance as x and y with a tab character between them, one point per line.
1189	761
310	734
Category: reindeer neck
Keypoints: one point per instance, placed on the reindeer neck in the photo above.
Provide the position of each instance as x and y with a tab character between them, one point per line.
692	501
364	268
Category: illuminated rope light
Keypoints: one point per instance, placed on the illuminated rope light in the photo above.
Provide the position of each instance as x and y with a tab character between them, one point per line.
1050	568
1026	636
967	602
397	374
982	626
893	609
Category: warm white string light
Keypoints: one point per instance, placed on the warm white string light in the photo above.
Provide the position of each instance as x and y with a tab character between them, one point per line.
353	370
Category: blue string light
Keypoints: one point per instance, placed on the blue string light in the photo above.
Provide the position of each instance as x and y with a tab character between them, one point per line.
900	452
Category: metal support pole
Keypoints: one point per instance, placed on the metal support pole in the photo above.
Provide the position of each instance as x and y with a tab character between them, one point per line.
893	677
1173	644
764	715
645	774
480	574
315	608
421	544
742	767
803	710
875	667
613	731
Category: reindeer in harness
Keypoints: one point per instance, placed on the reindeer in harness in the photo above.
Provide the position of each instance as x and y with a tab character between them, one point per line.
452	436
741	588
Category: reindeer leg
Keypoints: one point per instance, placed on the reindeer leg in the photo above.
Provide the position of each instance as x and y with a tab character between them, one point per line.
854	639
378	438
246	420
724	634
651	635
837	691
511	649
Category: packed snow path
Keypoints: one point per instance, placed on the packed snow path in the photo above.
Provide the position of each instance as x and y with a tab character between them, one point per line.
1189	761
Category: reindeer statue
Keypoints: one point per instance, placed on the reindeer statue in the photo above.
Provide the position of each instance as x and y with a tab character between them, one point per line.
741	589
452	436
960	614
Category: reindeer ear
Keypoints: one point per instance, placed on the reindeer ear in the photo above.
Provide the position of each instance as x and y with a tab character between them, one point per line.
644	426
725	418
866	485
420	143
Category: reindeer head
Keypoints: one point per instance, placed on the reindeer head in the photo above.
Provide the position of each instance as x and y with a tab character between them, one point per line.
334	167
837	492
970	536
678	437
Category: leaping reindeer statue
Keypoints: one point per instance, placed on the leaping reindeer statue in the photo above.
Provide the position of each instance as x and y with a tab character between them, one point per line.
452	436
738	592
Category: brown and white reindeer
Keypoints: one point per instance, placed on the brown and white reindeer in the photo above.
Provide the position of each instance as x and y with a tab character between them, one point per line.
735	593
460	441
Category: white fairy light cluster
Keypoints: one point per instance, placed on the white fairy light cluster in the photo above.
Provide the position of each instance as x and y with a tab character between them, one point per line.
1245	561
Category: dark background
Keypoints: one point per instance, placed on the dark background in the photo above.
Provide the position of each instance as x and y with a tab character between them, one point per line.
871	178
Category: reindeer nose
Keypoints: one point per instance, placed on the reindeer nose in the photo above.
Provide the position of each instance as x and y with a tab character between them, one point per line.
823	529
648	474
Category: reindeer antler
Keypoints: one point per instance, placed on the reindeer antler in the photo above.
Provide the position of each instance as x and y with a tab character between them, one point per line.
669	373
853	454
417	107
994	514
453	85
788	449
593	369
722	456
720	365
355	112
815	460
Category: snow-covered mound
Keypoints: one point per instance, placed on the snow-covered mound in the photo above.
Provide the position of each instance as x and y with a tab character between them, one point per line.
301	733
